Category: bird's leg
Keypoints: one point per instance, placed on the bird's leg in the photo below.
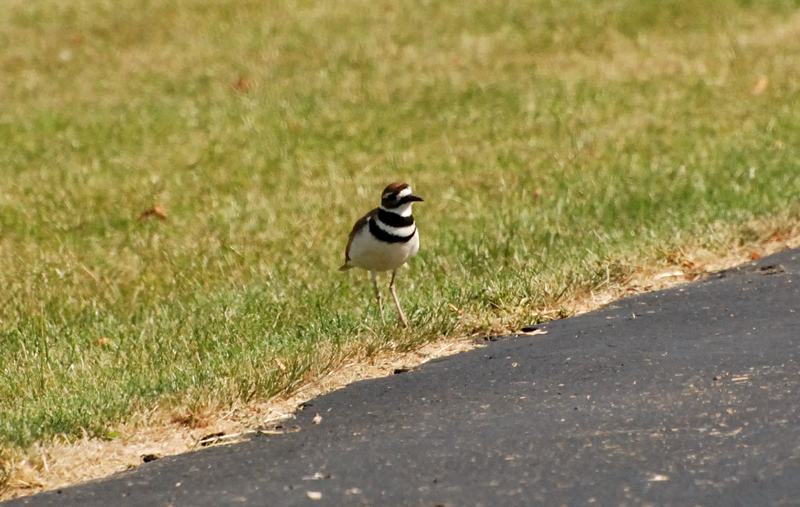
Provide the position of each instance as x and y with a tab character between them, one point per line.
403	319
374	275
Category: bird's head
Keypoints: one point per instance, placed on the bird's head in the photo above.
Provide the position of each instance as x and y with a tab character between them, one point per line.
398	198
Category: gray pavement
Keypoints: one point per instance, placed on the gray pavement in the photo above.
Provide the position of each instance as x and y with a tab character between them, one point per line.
684	397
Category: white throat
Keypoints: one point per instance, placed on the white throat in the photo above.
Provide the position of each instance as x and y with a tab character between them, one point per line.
404	210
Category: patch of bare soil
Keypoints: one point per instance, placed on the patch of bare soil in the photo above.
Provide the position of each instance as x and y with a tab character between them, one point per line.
61	463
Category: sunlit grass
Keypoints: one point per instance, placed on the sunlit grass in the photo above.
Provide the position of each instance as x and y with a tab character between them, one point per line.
548	140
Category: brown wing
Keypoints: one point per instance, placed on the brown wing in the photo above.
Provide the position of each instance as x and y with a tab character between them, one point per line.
360	224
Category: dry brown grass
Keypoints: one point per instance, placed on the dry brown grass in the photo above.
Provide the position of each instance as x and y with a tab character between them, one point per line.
652	56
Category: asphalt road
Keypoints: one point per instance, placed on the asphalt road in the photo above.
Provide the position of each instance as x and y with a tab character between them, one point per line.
685	397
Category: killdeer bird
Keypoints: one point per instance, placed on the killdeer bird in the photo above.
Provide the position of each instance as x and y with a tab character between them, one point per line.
384	239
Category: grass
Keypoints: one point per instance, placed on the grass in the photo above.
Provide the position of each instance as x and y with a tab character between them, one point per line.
549	140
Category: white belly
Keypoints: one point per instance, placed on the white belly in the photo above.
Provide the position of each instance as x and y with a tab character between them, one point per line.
368	253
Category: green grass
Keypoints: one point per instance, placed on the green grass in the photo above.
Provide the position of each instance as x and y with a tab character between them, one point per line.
633	121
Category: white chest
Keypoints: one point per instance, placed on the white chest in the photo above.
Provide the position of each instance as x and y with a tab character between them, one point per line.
367	252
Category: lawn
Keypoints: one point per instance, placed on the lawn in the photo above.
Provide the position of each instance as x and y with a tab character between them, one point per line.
556	145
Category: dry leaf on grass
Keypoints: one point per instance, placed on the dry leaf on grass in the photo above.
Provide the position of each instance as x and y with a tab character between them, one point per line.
104	341
156	211
281	366
243	84
760	86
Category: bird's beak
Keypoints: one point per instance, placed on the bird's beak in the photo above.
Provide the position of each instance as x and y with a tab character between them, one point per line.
413	198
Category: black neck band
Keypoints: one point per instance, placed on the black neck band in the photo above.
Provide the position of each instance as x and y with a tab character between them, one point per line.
382	235
394	220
